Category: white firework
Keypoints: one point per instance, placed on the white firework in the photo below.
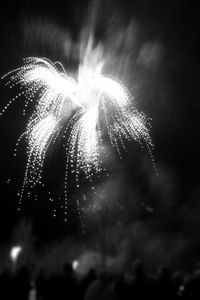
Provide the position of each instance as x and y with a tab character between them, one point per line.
93	104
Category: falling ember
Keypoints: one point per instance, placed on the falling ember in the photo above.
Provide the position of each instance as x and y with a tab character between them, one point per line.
79	106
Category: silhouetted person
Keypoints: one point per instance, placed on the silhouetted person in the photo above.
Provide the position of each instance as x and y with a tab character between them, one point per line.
45	286
66	284
165	287
86	281
102	288
142	286
121	288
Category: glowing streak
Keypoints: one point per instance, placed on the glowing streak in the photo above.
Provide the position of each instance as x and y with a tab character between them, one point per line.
95	97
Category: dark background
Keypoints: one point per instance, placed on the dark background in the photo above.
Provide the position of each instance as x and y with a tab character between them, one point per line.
154	46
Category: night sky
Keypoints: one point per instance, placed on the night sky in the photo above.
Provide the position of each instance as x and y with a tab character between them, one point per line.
153	46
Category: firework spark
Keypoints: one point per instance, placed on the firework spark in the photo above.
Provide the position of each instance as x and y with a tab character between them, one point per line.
87	107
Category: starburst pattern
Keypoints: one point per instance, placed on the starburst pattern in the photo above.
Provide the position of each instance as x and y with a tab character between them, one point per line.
89	107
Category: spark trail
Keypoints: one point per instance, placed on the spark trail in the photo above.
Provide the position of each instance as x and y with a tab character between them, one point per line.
88	107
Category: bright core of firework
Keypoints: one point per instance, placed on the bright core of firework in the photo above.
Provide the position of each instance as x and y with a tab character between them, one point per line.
88	107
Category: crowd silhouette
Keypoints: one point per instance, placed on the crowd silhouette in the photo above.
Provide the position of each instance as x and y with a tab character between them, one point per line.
104	285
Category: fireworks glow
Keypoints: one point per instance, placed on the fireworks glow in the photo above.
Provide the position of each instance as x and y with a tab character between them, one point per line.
14	253
88	107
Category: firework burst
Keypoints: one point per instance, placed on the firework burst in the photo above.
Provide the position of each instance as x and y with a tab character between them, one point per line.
87	107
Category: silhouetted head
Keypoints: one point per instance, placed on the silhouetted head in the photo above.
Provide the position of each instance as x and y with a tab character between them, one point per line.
177	277
163	273
68	269
138	269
